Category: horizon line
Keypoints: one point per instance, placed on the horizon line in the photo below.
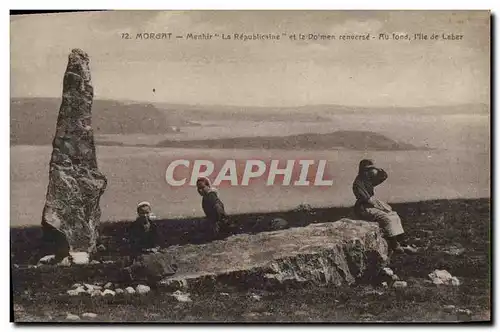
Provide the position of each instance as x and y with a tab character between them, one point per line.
154	103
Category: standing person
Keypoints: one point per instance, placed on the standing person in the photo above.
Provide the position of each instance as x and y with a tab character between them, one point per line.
213	207
368	207
143	233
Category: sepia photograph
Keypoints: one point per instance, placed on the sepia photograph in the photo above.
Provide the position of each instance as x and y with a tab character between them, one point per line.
250	166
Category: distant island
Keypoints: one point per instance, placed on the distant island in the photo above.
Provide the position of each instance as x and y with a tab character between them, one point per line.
33	122
352	140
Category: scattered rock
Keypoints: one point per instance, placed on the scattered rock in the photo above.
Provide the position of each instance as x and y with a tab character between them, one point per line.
182	297
387	271
152	267
250	314
89	315
279	223
443	277
76	285
449	308
256	297
79	258
108	285
95	292
119	291
464	312
108	292
455	281
395	277
89	287
72	292
224	294
66	261
80	290
72	317
373	292
94	262
18	307
367	316
129	290
101	248
454	251
49	259
142	289
400	284
384	284
305	208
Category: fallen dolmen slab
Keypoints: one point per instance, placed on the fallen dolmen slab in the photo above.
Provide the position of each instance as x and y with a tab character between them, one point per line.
336	253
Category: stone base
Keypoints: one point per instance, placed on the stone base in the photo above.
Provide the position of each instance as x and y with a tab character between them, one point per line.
337	253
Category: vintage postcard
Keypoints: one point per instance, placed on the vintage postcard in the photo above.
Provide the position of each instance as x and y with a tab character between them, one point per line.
250	166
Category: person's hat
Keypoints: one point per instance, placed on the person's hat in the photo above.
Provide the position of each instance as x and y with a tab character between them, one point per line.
142	204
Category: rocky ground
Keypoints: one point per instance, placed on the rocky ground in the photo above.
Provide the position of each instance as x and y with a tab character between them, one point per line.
453	236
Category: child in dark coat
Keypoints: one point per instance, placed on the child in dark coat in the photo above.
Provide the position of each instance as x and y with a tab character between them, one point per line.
213	207
143	233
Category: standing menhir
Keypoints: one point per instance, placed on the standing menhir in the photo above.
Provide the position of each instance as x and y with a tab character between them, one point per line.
71	214
370	208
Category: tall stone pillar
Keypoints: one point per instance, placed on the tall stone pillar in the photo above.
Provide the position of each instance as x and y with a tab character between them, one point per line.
71	214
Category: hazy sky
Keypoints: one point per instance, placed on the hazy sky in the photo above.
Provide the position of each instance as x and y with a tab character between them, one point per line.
258	73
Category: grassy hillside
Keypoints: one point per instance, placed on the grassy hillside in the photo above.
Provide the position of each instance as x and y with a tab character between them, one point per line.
434	226
347	139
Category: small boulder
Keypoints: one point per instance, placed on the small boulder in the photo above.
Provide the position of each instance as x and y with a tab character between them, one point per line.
278	224
108	285
95	292
152	268
72	317
76	285
256	297
387	271
89	315
80	290
80	258
443	277
394	277
455	281
119	291
464	312
49	259
449	308
89	287
400	284
66	261
384	284
454	251
94	262
181	297
142	289
72	292
130	290
108	292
